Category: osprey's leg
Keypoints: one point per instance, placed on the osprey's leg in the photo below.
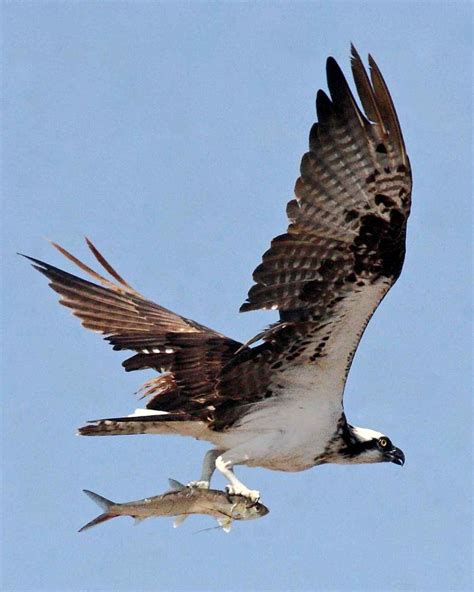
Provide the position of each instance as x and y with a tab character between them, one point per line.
208	468
224	464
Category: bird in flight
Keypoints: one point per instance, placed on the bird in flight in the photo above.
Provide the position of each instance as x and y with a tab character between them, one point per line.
277	400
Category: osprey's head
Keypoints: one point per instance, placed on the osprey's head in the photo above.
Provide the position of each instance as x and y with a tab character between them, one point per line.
369	446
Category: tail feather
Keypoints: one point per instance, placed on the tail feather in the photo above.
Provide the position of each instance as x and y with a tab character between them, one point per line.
105	504
146	424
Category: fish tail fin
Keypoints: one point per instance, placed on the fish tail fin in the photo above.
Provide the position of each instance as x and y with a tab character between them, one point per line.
101	501
105	504
101	518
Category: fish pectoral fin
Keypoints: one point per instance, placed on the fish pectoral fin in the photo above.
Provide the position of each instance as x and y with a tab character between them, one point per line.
179	520
225	523
137	520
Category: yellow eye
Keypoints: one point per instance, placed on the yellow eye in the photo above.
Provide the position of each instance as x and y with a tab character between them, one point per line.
383	442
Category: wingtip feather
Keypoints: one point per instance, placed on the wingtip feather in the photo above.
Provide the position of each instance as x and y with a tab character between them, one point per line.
106	265
387	108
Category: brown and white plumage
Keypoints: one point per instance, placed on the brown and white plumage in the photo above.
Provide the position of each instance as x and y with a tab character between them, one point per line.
277	404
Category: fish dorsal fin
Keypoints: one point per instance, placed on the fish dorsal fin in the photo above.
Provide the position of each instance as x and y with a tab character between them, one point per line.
176	485
225	524
179	520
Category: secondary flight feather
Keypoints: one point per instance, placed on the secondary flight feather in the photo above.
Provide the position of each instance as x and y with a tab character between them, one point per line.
277	404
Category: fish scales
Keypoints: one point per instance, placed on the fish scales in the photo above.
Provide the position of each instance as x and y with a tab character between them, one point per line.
181	502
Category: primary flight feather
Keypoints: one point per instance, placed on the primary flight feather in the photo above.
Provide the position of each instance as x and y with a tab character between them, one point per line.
278	404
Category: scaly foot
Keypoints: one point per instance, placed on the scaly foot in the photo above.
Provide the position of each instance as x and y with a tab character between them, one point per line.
251	494
199	484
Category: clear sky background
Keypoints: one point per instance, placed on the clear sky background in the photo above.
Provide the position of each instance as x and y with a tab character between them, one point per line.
171	134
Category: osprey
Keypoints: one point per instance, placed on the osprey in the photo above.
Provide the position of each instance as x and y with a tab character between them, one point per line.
277	400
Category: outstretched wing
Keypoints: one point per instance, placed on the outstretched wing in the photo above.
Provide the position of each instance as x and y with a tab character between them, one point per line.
347	223
189	355
345	244
343	250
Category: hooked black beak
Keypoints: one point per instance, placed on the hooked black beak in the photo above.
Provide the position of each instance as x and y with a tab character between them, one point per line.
396	456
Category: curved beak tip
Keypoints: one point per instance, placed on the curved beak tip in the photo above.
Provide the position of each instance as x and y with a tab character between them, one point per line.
397	457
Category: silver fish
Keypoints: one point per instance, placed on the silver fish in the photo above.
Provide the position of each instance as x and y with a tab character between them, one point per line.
180	502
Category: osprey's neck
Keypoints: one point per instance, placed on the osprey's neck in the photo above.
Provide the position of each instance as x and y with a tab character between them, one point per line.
348	444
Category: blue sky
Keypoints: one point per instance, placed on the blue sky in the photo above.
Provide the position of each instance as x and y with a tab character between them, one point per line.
171	134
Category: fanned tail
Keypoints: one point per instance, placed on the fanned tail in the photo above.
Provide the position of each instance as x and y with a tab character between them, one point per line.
144	421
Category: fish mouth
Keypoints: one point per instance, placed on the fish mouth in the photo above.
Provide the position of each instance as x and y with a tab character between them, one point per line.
251	510
396	456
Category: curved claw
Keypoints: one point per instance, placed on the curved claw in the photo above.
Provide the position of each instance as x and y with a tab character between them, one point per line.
251	494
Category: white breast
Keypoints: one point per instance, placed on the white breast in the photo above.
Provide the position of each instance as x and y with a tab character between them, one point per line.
288	431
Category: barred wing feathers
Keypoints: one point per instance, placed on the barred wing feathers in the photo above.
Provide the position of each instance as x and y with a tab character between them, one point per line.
343	250
352	201
345	244
190	356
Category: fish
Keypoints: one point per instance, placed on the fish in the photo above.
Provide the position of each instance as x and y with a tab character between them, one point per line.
180	502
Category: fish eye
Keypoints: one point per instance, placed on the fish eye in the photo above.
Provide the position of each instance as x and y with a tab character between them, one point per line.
384	442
